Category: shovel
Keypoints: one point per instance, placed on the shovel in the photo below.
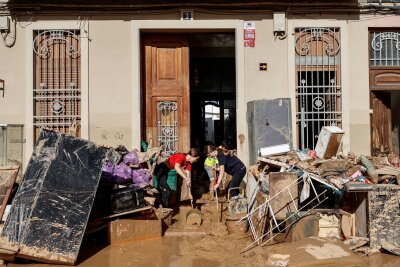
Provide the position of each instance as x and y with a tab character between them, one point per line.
216	192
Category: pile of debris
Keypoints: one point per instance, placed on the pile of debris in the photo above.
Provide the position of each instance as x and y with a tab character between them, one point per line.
72	188
324	193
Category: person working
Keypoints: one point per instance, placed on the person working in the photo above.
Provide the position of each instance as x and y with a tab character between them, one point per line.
178	162
210	166
228	163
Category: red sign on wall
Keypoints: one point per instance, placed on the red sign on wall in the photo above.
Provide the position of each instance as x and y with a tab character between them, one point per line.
249	33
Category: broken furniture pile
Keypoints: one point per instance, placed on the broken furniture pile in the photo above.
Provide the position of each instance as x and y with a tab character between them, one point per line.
300	193
64	196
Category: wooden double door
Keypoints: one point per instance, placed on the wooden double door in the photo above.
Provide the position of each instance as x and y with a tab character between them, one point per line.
165	72
384	82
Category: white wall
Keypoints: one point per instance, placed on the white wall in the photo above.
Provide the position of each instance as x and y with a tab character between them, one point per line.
113	74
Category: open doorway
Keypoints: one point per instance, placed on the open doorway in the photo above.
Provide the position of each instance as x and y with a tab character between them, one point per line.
189	89
212	88
188	94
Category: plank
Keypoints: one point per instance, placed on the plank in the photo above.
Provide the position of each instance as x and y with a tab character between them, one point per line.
126	213
8	175
274	162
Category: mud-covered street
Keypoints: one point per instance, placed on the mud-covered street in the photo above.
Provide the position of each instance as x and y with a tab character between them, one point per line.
212	251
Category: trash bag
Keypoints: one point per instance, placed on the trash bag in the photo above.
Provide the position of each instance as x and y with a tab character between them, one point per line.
122	174
131	158
107	171
141	177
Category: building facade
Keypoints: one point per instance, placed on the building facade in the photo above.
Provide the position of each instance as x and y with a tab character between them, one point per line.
149	70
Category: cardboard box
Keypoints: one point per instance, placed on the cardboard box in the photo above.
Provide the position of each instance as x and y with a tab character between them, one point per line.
134	229
329	140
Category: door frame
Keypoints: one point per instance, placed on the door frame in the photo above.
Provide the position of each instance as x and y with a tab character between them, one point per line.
175	26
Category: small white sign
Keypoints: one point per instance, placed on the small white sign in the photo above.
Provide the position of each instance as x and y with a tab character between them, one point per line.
249	25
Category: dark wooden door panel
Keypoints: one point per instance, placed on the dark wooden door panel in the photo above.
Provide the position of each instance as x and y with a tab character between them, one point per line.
167	91
384	78
381	123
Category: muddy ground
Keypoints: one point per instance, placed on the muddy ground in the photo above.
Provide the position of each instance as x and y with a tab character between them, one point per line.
218	251
211	245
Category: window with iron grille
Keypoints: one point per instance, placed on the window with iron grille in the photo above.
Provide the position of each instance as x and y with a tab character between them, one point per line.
384	48
57	81
318	82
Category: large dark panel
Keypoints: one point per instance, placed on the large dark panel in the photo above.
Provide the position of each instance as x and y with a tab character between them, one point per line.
52	206
269	123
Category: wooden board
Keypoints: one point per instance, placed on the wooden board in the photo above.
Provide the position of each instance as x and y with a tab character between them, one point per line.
51	208
259	218
381	123
8	175
134	229
282	204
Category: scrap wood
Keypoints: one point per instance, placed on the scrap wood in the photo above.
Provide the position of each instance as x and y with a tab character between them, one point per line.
254	171
379	162
388	170
8	176
386	177
331	165
390	247
366	250
319	179
125	213
355	242
274	162
280	158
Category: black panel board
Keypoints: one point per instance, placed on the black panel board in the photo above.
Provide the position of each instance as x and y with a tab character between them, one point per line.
51	208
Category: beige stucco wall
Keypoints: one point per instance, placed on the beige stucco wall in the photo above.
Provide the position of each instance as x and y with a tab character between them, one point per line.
12	71
358	88
272	83
113	75
110	83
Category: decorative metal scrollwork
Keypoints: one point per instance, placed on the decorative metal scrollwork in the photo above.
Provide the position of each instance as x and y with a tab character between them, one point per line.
329	39
57	106
318	103
167	125
377	40
167	105
43	43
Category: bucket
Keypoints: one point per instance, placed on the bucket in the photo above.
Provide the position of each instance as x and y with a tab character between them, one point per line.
193	217
231	221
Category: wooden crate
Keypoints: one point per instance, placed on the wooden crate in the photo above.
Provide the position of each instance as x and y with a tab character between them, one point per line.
134	229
